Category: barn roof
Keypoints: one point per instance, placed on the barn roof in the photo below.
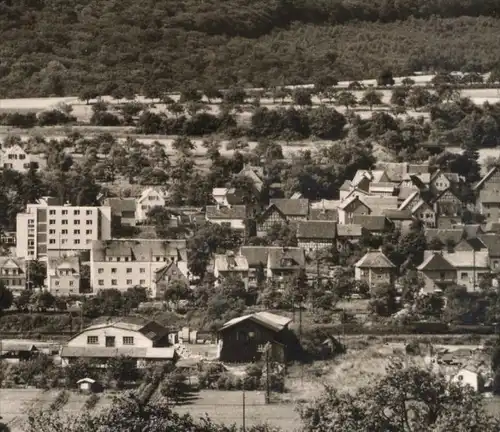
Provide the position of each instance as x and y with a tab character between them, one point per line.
292	207
266	319
317	229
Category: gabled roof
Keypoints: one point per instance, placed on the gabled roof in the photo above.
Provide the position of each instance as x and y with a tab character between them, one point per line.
465	259
255	255
375	259
120	205
227	263
349	230
139	249
452	177
444	235
63	263
382	187
151	329
232	212
286	258
317	230
451	190
377	204
421	205
396	170
492	243
470	231
349	201
492	227
409	199
435	261
346	186
15	346
323	214
148	191
473	243
395	214
292	207
12	263
487	176
266	319
371	222
255	174
160	273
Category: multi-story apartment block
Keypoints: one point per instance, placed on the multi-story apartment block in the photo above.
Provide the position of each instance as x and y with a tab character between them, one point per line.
17	159
47	230
122	264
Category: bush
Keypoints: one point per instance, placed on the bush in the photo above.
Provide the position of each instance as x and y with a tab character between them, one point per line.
61	399
91	402
54	117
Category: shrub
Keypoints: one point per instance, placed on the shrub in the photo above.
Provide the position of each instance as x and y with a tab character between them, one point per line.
91	402
61	399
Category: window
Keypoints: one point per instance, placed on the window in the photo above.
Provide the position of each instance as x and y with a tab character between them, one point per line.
64	241
77	231
113	270
495	264
442	275
129	270
70	283
463	275
52	231
64	212
64	221
88	241
88	212
152	198
92	340
76	212
128	340
52	212
129	281
100	270
89	222
142	270
118	259
64	231
158	258
126	259
144	207
56	283
88	232
114	282
110	341
52	241
52	222
77	241
100	282
76	221
142	282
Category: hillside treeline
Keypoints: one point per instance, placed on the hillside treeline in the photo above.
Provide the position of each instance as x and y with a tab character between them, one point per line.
59	47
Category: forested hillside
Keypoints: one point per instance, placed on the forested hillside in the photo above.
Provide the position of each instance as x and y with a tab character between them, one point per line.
59	47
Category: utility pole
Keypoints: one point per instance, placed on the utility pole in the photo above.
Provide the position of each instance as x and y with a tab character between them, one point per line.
267	348
243	426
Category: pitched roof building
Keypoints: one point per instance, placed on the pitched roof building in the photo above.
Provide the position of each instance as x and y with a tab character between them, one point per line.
375	269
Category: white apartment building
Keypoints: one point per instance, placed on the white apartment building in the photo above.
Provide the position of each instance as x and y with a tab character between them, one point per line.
122	264
17	159
46	229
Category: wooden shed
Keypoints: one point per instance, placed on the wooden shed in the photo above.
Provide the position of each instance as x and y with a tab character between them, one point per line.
89	385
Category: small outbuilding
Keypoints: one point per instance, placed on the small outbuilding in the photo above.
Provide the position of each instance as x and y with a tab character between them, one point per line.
89	385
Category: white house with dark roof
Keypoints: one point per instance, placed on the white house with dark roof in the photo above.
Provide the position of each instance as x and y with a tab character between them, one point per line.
144	341
437	273
149	198
63	275
18	159
123	264
350	207
13	273
375	269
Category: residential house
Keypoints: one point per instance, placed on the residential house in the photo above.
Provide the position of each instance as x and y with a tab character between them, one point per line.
492	245
469	377
17	159
350	207
231	265
374	224
227	196
270	217
410	201
122	211
468	265
144	341
426	213
172	271
487	191
256	176
63	275
437	273
293	209
415	181
378	204
233	217
446	238
470	244
400	218
347	235
314	235
122	264
363	178
46	229
441	181
375	269
449	214
245	339
273	262
13	273
149	198
395	171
